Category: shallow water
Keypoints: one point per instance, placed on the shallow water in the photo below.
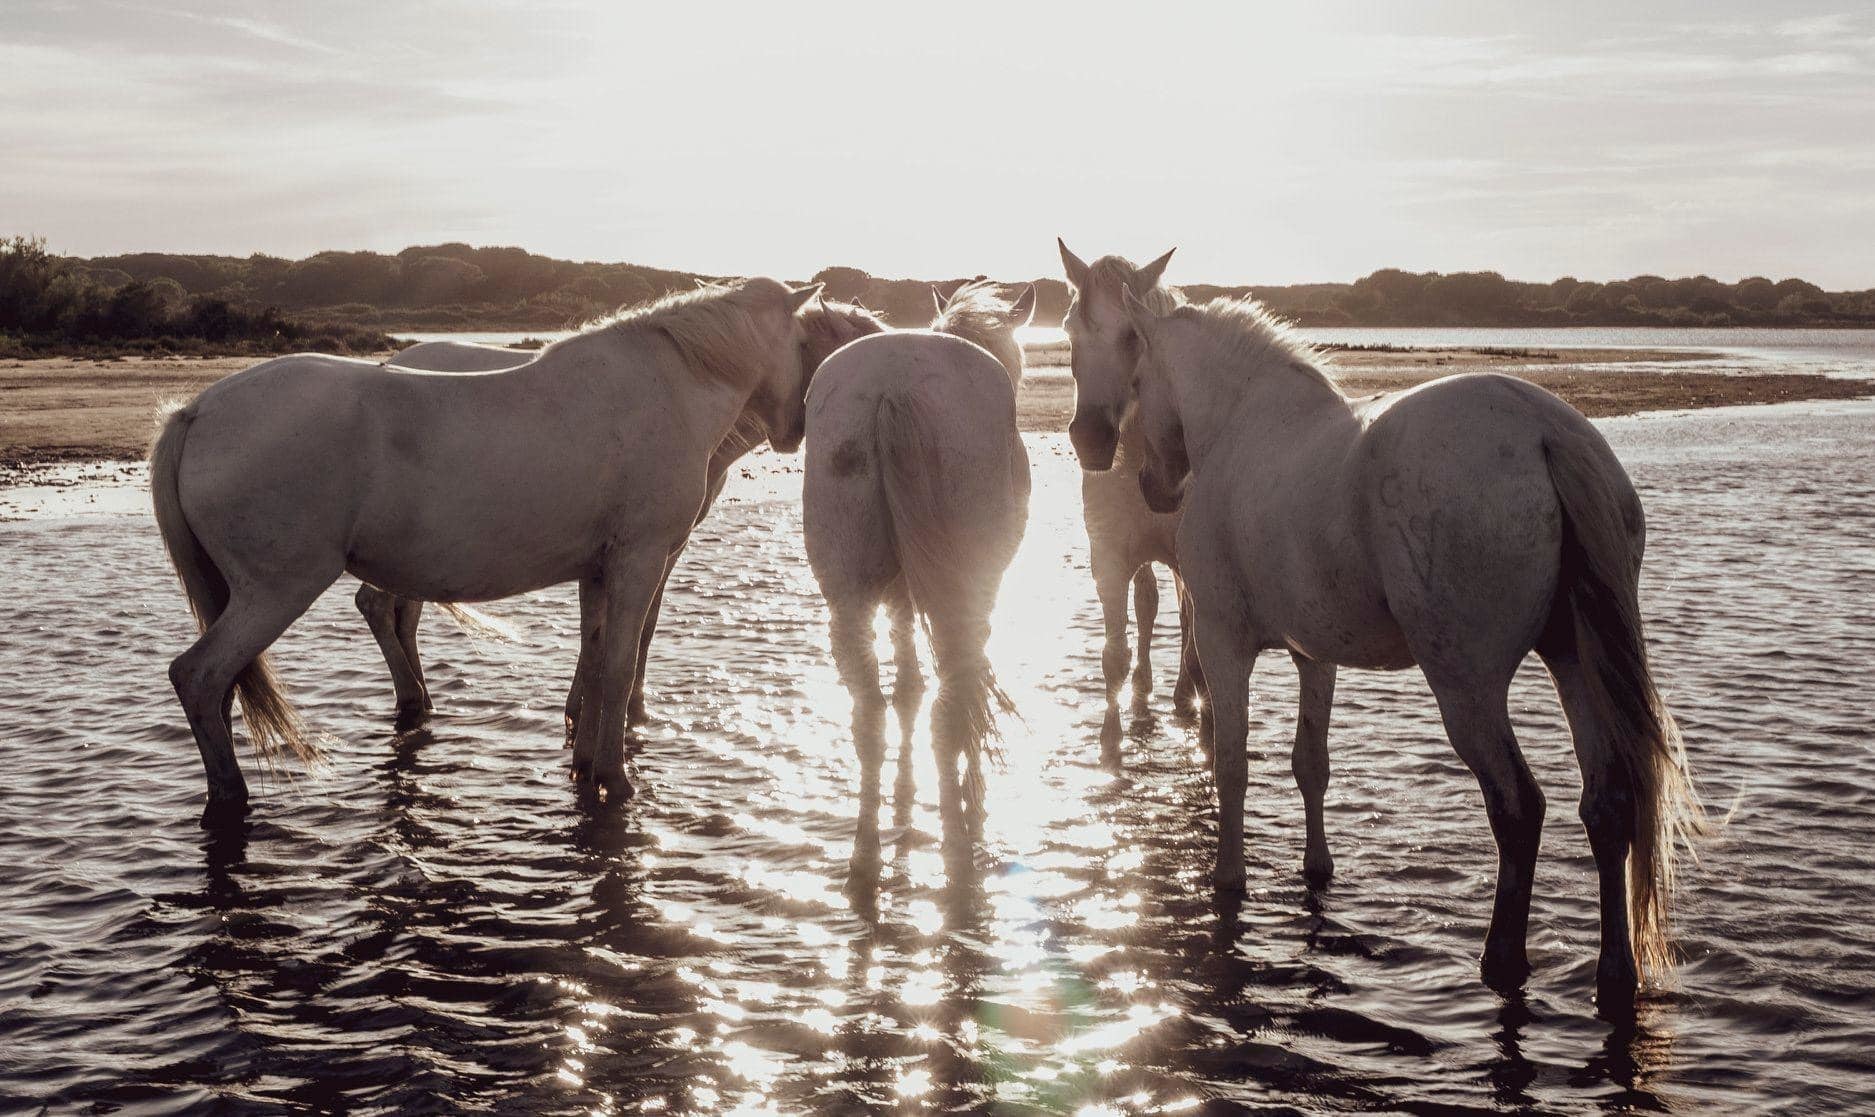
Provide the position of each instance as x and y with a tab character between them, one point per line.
434	923
1828	352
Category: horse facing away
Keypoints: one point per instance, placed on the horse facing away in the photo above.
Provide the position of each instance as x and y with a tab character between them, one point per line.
825	326
1456	526
916	498
586	464
1124	539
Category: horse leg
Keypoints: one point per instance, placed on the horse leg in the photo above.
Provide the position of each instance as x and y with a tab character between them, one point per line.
636	715
1477	720
1110	582
1146	615
591	622
407	615
853	654
631	579
908	687
1310	762
960	718
380	612
1607	811
1189	694
1228	660
205	674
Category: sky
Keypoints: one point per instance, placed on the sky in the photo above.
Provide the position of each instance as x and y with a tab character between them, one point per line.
1272	143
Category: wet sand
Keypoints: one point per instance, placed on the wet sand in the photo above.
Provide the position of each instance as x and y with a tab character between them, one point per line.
62	409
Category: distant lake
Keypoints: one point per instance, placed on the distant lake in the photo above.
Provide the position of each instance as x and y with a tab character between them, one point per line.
1832	352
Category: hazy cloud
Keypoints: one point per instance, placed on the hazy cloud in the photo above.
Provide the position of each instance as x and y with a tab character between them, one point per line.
1272	142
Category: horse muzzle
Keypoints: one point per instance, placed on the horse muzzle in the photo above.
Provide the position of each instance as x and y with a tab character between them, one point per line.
1093	438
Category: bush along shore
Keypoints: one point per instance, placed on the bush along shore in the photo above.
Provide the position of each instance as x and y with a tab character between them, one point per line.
459	287
53	306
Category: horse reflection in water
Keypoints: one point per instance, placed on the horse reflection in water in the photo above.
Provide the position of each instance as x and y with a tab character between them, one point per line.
916	497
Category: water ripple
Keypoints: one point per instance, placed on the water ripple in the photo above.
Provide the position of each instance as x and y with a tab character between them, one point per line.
434	923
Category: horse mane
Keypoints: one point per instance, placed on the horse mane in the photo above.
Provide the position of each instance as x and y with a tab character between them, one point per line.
1110	275
715	330
827	325
1244	334
976	312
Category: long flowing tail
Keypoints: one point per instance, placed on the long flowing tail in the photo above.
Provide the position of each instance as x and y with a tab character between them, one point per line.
272	724
1601	578
939	555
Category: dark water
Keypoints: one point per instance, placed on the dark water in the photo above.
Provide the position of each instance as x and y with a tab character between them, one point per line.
433	924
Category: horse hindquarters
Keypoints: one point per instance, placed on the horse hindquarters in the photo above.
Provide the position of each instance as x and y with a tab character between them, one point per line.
1637	802
956	519
238	619
849	547
1469	582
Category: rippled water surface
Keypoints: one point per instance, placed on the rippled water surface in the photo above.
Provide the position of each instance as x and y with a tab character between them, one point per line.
434	923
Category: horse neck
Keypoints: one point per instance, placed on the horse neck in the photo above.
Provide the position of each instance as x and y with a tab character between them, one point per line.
1269	404
640	369
744	435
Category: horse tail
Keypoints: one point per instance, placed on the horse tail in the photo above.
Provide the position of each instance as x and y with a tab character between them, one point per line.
272	723
477	623
1637	743
933	548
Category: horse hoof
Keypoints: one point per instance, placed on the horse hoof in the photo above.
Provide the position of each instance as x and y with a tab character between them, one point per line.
1227	880
1616	987
1615	1004
1505	970
615	787
1317	874
224	810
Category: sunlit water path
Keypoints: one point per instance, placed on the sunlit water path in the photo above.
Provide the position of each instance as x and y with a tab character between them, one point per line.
433	922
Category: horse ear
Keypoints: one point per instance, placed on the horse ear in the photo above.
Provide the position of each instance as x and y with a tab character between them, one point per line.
1149	275
1145	322
1023	310
702	283
800	298
857	304
1077	270
938	301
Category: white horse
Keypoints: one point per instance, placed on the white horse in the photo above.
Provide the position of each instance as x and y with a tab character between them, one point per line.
916	498
1104	351
1124	539
587	464
1456	527
826	325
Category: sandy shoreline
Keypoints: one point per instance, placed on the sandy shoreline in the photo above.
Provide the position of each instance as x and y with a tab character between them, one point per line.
68	410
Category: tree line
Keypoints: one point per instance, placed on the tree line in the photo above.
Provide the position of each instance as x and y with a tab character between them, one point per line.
51	303
348	300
